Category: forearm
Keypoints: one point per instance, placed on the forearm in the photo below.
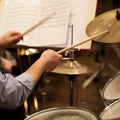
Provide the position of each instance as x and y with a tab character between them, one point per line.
36	70
47	62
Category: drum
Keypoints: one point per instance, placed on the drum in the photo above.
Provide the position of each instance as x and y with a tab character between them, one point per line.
111	90
111	112
67	113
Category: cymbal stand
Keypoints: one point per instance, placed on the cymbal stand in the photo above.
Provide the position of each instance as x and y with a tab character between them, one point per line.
71	77
71	80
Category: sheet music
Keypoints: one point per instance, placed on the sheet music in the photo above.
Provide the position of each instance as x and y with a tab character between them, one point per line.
20	15
82	12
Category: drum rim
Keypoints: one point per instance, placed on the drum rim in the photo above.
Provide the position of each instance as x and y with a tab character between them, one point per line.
61	108
106	85
106	108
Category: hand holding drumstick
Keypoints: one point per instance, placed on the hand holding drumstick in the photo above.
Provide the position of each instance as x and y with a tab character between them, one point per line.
10	38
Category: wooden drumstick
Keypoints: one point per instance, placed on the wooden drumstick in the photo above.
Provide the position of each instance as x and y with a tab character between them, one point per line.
39	23
82	42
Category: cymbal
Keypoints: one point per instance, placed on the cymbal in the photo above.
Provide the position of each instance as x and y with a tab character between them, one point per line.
76	67
107	21
28	51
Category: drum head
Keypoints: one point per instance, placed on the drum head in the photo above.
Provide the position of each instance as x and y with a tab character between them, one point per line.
111	112
68	113
111	91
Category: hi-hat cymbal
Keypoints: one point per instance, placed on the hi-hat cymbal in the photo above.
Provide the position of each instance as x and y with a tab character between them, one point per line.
107	21
76	67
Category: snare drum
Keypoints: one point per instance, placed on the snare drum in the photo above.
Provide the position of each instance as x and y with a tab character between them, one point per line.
67	113
111	90
111	112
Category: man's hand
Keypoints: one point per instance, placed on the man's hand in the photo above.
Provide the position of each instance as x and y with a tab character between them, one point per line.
9	39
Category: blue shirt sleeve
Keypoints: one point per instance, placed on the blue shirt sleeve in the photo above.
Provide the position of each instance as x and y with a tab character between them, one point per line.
14	90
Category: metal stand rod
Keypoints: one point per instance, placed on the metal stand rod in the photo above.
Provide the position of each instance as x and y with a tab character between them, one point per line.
71	79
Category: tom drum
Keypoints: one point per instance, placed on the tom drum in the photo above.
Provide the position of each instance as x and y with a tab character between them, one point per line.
67	113
111	90
111	112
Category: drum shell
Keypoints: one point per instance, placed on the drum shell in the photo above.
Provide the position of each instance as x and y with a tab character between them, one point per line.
108	102
110	92
57	113
111	112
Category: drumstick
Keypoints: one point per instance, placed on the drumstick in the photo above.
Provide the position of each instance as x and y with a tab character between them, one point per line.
39	23
82	42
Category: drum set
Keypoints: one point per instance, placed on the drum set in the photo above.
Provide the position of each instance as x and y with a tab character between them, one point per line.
110	93
105	29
